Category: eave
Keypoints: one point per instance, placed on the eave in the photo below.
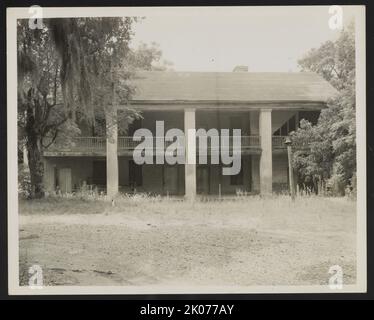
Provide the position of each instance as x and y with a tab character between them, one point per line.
153	105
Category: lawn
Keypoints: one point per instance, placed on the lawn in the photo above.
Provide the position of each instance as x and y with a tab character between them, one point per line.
140	241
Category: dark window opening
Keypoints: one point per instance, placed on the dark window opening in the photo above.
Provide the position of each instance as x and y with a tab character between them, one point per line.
56	182
99	172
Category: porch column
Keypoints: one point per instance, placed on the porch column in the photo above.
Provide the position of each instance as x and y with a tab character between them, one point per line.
266	169
190	156
25	157
111	153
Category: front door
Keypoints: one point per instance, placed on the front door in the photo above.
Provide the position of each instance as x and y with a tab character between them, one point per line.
64	178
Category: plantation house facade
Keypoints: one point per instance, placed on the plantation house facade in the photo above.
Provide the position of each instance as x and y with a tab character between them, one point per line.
265	106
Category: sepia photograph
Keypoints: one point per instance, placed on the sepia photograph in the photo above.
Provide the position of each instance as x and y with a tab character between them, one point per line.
186	150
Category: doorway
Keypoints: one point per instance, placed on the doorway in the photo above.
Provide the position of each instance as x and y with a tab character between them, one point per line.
99	172
64	179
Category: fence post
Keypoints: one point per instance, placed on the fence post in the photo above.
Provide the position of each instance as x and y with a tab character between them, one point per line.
290	168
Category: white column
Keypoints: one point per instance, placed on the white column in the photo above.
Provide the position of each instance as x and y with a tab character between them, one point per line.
190	168
111	153
25	157
266	165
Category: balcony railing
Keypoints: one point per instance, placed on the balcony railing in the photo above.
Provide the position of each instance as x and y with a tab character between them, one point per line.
89	143
278	142
126	143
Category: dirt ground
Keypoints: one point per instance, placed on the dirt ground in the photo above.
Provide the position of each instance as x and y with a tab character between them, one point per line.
251	241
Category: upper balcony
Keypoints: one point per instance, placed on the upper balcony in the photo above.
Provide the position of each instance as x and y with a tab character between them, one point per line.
96	146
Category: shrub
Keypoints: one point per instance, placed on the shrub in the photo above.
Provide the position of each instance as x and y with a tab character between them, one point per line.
337	185
24	182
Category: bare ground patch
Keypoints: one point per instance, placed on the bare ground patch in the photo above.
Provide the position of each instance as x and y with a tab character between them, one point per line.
247	242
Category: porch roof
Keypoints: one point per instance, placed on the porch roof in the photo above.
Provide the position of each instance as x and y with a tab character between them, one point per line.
158	86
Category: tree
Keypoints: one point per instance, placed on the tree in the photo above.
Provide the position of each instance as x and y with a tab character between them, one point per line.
332	140
38	88
85	47
58	67
148	57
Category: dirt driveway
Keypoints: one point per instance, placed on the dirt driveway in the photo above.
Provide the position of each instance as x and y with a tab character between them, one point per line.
142	242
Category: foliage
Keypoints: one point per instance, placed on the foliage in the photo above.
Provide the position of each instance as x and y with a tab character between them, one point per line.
38	88
148	57
332	140
333	60
24	182
38	82
72	73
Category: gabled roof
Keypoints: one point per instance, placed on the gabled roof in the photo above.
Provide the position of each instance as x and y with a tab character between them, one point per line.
156	86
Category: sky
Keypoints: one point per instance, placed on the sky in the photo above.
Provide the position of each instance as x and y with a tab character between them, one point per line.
266	39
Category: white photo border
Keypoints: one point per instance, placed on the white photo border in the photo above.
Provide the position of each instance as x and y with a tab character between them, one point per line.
14	288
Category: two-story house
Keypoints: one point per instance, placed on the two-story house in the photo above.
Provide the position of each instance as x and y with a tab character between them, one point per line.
265	106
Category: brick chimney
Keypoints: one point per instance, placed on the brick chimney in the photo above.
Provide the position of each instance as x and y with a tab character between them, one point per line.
240	69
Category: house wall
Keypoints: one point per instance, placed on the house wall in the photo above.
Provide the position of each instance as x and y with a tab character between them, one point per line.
81	170
153	179
256	174
216	178
222	120
123	171
280	173
204	119
154	175
171	120
254	123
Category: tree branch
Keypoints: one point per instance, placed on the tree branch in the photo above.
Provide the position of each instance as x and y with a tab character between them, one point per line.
52	141
47	128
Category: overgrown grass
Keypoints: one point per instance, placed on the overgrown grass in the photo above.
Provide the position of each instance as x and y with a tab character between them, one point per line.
153	240
144	204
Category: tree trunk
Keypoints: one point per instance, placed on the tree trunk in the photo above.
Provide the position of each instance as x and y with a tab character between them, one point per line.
34	151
